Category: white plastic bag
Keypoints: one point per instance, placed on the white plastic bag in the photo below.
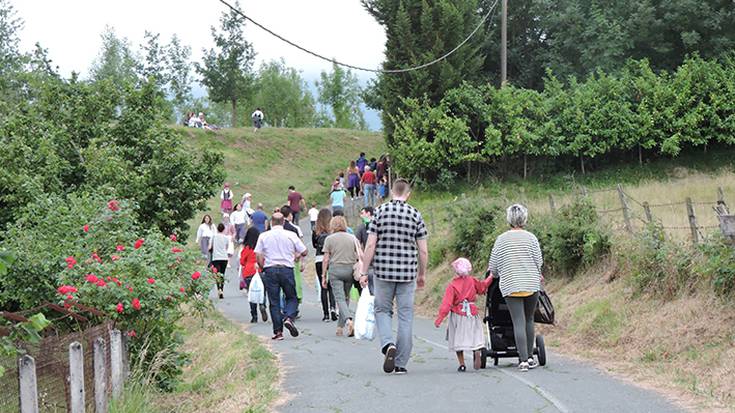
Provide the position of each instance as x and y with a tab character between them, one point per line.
256	292
365	316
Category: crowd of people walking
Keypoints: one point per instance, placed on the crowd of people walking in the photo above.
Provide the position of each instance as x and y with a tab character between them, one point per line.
386	252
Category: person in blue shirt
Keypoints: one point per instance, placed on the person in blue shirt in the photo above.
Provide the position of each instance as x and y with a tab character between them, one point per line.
361	162
259	218
337	198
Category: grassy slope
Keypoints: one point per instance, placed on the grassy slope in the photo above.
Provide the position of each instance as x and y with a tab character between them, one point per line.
267	162
674	346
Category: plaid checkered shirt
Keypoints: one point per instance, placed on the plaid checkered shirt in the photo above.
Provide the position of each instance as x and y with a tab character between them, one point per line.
398	226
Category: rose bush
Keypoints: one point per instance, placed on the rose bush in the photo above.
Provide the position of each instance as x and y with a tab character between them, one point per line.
92	251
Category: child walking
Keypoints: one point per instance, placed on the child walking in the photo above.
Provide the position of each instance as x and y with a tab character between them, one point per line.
465	326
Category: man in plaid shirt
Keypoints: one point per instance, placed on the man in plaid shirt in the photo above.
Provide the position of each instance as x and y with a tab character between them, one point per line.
397	248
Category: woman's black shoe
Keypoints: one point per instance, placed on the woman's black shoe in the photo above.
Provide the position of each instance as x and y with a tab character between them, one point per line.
334	316
326	317
462	369
254	320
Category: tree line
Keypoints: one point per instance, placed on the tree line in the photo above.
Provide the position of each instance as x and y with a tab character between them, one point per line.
636	113
572	38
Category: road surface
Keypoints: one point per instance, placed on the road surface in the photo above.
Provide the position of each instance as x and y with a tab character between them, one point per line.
326	373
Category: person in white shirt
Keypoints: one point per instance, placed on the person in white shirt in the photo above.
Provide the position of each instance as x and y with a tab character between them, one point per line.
205	233
239	219
257	118
313	214
246	200
276	252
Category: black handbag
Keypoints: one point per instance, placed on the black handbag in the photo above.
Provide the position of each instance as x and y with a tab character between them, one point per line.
544	309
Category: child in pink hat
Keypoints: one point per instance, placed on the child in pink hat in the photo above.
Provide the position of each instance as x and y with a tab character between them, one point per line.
465	331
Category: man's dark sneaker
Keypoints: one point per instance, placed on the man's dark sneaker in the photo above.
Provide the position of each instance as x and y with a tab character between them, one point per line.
291	328
254	320
389	364
325	318
221	295
334	315
401	370
277	336
263	313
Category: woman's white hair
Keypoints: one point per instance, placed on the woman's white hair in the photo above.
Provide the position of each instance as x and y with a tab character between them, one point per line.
517	216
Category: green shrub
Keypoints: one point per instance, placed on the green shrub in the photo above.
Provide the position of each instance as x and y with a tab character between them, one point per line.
659	265
571	238
88	250
719	264
475	227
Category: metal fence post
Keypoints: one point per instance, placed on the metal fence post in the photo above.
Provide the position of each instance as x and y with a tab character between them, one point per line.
116	363
100	376
626	209
76	377
27	384
692	220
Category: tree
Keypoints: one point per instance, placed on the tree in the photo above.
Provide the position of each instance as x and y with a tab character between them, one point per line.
179	73
116	61
227	70
418	31
154	63
339	95
283	93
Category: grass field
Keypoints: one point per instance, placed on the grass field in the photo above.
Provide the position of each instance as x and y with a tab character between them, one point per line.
267	162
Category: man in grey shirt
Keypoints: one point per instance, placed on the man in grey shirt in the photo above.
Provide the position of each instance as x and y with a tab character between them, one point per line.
398	250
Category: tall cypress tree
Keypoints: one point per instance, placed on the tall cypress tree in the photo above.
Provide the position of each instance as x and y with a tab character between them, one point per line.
418	31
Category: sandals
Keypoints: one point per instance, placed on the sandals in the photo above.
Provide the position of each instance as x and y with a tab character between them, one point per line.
462	369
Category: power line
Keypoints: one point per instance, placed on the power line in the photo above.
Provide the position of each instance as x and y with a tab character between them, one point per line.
365	69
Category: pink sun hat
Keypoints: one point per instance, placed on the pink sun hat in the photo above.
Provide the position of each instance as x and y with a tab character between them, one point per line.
462	266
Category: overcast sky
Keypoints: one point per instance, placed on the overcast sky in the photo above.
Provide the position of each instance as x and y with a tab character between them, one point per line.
70	29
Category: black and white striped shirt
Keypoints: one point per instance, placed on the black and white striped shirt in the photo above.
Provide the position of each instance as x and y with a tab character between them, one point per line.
398	226
516	259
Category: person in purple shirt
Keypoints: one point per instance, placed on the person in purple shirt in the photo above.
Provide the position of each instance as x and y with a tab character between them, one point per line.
259	218
361	162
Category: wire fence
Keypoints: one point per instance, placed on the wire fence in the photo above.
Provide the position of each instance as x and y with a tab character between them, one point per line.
52	371
623	213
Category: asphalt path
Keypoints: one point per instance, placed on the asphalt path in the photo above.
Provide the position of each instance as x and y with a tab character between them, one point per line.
326	373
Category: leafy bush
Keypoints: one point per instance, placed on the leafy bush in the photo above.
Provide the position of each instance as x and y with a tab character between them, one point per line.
73	135
92	251
571	238
719	264
475	228
658	265
605	115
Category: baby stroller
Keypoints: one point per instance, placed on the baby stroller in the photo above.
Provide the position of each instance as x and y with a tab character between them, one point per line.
500	339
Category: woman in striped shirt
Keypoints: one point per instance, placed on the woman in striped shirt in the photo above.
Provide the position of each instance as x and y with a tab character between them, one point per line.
516	260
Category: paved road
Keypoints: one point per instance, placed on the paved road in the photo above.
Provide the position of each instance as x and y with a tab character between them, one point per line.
326	373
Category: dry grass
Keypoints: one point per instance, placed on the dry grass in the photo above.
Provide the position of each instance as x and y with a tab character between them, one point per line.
683	184
684	347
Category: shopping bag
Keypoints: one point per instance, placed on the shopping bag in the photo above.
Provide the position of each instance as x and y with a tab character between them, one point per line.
256	292
365	316
354	294
230	249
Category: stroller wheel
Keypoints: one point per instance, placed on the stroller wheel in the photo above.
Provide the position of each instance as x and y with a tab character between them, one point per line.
541	348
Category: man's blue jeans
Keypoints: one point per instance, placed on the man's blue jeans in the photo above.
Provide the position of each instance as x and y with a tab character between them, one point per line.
275	280
369	190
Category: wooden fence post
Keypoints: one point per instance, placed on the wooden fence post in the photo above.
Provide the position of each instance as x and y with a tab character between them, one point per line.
100	376
116	363
552	205
647	210
76	377
626	209
692	220
27	384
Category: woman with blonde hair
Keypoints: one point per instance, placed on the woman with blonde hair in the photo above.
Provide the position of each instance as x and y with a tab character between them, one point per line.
341	252
318	236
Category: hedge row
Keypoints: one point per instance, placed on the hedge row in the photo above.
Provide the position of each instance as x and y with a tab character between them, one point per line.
633	111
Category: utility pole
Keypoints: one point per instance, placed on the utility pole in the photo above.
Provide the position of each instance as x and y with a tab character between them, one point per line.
504	44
